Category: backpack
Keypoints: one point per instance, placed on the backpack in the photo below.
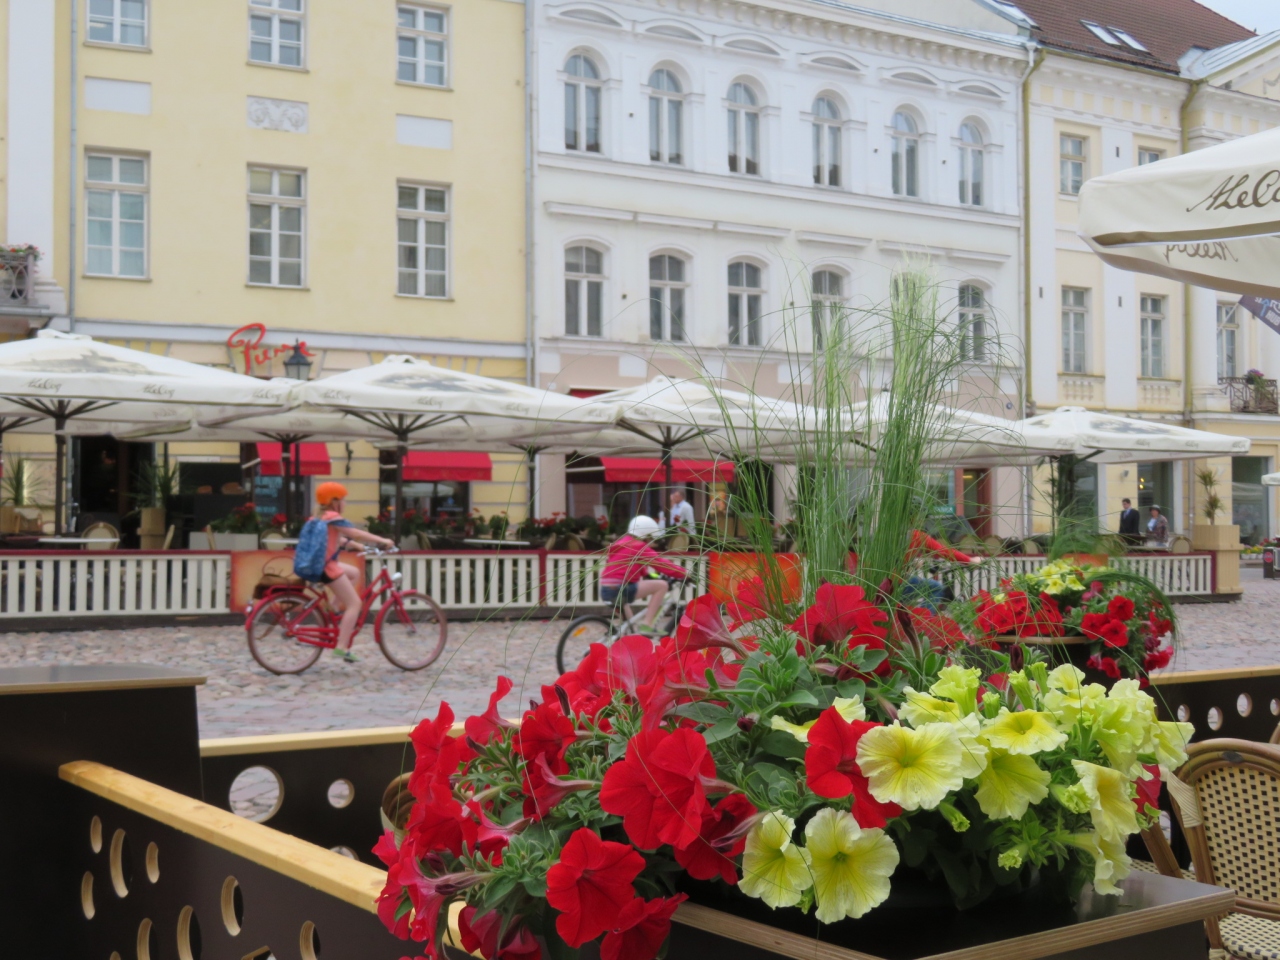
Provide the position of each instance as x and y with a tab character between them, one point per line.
309	557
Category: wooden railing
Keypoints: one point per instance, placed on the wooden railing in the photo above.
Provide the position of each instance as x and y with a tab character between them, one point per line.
1177	574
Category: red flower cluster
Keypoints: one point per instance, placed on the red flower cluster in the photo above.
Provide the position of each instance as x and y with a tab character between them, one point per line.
1018	615
831	767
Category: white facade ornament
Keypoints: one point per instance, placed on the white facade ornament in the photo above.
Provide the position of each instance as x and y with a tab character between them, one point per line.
265	113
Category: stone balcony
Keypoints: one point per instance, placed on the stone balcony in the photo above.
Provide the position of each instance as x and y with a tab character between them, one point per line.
1251	394
1082	390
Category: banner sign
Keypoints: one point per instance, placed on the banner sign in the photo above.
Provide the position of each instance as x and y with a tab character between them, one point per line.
1268	311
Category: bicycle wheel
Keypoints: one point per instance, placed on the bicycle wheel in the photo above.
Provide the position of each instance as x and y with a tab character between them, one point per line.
411	628
270	640
575	643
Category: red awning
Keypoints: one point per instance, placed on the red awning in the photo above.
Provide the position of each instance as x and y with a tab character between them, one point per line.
314	456
645	470
437	465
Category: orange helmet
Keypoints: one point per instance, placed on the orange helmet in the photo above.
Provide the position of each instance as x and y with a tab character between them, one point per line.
330	491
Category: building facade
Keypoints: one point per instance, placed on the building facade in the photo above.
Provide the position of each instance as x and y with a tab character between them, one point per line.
705	173
268	172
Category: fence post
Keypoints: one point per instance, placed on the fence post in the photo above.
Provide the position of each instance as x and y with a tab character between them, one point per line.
542	576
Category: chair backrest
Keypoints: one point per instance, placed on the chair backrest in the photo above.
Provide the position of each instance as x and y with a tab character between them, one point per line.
1275	735
208	532
994	545
1031	548
272	540
1228	797
168	536
104	535
1180	544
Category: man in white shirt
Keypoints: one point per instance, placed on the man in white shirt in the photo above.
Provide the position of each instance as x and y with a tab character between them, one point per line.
681	514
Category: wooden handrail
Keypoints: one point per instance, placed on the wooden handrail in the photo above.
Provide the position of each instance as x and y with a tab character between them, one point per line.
285	742
1206	676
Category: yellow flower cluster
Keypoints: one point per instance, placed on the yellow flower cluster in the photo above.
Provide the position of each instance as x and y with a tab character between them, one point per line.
1057	578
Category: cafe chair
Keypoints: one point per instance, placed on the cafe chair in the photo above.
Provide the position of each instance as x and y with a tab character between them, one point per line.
273	539
994	545
213	543
1180	544
102	536
1227	796
168	536
1030	548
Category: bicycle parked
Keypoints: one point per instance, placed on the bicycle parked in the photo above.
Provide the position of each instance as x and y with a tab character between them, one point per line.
294	623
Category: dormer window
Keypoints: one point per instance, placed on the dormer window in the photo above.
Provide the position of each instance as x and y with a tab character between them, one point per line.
1102	33
1128	39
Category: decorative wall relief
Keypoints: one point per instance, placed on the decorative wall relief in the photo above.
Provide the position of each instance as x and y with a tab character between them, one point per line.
264	113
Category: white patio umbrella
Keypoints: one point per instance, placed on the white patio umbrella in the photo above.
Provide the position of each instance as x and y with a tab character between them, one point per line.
1271	479
1209	217
61	377
1106	438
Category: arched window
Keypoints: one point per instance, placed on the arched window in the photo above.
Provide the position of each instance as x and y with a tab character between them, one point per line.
666	118
744	304
973	324
583	291
972	172
668	281
828	304
744	130
906	155
826	142
583	97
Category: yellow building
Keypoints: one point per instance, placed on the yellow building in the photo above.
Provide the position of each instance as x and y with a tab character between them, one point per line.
351	180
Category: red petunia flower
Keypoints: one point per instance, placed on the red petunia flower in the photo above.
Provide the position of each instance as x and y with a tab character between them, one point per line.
482	932
544	788
590	885
841	612
702	627
1091	624
583	685
640	930
941	631
1107	665
1148	794
1121	608
487	725
750	602
1159	626
703	859
658	789
1157	659
546	731
1115	634
437	752
438	822
831	767
867	810
631	663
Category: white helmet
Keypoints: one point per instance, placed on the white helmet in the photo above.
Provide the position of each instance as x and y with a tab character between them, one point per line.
643	527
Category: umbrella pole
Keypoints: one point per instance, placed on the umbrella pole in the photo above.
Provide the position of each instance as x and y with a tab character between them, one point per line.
402	448
531	477
286	483
59	474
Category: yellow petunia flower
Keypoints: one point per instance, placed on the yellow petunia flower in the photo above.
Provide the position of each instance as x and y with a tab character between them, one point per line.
919	708
798	730
1023	732
1009	784
773	868
1169	741
1110	863
960	685
973	748
1110	800
915	769
851	866
1067	704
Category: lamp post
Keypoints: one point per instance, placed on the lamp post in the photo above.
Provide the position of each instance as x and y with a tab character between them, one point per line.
296	367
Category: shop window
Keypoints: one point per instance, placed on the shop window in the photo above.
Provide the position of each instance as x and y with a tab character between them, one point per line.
1250	500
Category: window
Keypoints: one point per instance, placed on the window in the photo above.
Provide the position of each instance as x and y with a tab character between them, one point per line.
971	165
421	46
667	283
1228	327
1075	324
422	240
828	304
118	21
1153	336
1147	155
275	32
582	104
906	156
744	130
826	142
276	204
115	216
1102	33
583	291
666	141
744	304
1071	162
1128	39
973	324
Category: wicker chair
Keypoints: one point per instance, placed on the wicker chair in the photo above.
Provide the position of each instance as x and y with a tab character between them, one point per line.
1227	796
102	536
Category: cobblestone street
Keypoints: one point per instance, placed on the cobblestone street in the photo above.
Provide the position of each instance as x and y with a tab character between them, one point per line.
241	698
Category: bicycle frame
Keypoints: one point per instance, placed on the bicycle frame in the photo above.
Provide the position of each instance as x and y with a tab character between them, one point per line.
327	634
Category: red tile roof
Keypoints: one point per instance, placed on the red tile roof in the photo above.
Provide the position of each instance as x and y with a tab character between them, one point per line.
1167	28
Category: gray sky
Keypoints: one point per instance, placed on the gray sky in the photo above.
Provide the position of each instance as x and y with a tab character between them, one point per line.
1260	15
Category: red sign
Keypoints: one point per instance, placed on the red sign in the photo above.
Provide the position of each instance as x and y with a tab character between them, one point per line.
248	340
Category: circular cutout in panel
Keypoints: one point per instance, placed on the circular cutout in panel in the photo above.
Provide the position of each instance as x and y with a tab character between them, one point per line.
1244	704
256	794
121	864
115	955
345	851
153	862
232	905
190	945
1184	712
309	942
1275	708
95	834
86	895
146	941
1214	718
341	793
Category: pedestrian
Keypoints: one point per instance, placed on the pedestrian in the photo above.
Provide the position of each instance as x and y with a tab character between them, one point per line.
680	526
1157	528
1129	521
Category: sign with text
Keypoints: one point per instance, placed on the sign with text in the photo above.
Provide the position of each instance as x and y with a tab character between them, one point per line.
1268	311
248	342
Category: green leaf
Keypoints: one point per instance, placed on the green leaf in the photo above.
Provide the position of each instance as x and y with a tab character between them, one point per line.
536	887
702	712
851	688
725	728
799	698
779	743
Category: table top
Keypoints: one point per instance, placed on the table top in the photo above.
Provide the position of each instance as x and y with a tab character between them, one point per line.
478	542
79	540
76	678
282	541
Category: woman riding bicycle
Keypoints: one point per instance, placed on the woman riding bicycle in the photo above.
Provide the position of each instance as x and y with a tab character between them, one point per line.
626	564
339	577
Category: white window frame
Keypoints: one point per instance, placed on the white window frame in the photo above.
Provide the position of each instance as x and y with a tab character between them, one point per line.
590	287
745	121
275	12
1075	330
277	203
1073	168
1148	155
420	216
904	156
972	157
1154	340
114	189
828	149
973	325
1228	339
826	307
421	36
581	89
663	293
666	121
750	331
116	21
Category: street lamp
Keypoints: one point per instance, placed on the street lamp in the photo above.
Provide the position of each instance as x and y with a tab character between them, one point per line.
297	366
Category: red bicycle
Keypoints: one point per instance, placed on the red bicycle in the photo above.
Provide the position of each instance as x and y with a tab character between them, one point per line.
292	625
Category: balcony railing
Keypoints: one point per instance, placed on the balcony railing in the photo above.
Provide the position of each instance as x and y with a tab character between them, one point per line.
1251	394
17	278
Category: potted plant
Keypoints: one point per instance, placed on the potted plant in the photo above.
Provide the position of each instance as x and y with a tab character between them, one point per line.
238	530
155	486
19	487
1212	535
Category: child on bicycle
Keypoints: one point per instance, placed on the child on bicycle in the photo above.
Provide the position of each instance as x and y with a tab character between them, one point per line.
626	564
339	577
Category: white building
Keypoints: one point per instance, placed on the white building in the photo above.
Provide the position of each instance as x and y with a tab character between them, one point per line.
700	169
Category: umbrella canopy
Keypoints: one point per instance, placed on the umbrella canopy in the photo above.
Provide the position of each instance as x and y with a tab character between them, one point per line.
1209	217
1106	438
1271	479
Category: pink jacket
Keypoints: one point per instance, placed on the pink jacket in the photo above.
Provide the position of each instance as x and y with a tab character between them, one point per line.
628	559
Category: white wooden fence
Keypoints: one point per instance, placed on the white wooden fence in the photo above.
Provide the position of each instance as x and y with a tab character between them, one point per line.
1177	574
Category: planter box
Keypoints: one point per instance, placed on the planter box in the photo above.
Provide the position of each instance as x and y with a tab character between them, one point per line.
1225	536
223	541
152	521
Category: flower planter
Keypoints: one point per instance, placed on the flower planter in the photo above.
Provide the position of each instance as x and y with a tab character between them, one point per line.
223	541
726	571
1224	536
153	521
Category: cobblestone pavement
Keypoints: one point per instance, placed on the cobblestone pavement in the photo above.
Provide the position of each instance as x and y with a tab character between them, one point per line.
242	699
